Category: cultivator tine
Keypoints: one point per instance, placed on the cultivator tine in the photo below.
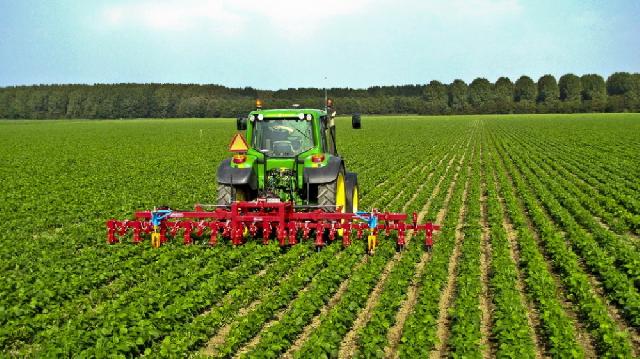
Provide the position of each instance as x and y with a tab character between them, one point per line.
279	220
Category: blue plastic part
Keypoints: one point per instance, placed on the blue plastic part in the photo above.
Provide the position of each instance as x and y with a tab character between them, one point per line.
372	220
160	215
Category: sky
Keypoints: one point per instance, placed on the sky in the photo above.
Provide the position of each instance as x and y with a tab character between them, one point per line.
300	43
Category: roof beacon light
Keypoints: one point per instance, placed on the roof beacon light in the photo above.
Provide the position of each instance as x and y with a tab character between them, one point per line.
258	104
329	103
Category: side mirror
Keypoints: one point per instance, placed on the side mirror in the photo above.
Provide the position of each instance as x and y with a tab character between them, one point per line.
241	123
355	120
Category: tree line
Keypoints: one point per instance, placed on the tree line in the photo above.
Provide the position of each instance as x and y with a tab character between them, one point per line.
620	92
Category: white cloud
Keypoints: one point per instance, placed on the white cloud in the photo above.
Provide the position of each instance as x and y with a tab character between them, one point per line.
290	18
471	10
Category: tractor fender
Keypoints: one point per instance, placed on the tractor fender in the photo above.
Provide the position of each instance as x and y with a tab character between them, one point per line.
324	174
236	176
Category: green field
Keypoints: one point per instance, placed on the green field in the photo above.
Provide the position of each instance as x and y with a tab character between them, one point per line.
538	255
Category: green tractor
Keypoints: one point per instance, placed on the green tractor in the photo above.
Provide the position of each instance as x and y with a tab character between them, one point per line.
291	156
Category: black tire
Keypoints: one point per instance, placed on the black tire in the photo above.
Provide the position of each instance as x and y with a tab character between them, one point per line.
327	194
355	121
228	194
351	184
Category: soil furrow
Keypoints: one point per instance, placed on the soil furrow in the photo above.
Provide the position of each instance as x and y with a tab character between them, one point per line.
395	332
447	295
348	346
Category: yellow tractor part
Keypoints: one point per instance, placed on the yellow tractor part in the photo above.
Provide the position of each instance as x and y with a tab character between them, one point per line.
354	200
372	242
341	197
155	238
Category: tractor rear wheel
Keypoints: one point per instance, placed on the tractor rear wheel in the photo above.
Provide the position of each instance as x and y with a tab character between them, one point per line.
228	194
333	194
352	193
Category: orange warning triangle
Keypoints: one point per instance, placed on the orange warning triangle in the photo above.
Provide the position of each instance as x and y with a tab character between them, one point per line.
238	144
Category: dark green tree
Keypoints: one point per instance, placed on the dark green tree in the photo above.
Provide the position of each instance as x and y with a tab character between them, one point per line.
594	93
504	90
570	93
548	94
436	98
620	83
458	95
481	96
525	89
570	87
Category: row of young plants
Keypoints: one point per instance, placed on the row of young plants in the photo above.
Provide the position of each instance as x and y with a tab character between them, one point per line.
610	144
625	255
325	339
618	286
510	327
44	333
610	183
21	330
372	338
610	341
296	305
465	315
183	308
57	264
419	330
373	181
291	272
616	216
556	327
45	292
413	198
132	314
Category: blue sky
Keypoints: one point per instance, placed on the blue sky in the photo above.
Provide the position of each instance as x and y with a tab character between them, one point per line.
298	43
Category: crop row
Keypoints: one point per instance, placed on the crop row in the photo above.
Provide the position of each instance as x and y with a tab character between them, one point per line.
602	205
419	330
150	308
619	287
557	328
372	338
300	305
626	258
610	341
509	318
288	275
465	314
325	339
609	183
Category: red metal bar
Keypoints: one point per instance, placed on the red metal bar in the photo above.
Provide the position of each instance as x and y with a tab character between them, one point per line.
280	219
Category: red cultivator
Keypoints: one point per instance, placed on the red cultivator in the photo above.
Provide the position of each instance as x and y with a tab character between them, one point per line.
265	219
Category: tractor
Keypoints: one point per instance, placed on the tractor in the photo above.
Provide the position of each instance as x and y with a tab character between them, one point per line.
291	157
288	183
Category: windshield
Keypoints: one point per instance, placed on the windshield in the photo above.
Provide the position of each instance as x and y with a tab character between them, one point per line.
278	137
